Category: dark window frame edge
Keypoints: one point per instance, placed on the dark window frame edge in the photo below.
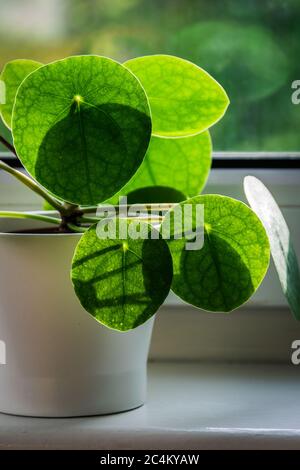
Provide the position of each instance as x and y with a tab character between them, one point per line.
224	160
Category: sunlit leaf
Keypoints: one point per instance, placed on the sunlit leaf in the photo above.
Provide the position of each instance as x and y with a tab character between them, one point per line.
184	99
12	76
81	127
283	253
226	271
121	282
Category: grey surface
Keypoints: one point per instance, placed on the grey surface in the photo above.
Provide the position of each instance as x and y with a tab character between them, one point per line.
190	406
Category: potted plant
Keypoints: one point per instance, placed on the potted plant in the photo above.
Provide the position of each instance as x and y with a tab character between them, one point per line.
88	130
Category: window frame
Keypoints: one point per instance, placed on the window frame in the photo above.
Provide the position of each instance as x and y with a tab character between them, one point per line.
223	159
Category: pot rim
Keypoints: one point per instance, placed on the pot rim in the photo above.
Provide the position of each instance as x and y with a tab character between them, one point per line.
15	234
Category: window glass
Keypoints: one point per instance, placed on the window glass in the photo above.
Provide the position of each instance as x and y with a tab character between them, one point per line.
251	46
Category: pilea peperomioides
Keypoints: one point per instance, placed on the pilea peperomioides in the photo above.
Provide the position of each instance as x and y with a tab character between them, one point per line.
87	130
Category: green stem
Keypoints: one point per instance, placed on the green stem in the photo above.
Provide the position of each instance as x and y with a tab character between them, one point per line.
26	215
32	185
89	219
76	228
88	209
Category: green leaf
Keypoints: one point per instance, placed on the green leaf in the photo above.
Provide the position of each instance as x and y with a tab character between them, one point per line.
181	163
81	127
121	282
184	99
155	195
227	270
12	76
283	253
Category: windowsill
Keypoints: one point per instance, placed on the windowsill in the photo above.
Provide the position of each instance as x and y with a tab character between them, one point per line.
190	406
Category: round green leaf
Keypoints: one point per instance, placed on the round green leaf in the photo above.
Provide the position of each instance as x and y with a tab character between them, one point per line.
227	270
184	99
12	76
81	127
282	249
182	163
121	282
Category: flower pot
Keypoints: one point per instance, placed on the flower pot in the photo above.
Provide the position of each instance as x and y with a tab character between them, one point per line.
59	360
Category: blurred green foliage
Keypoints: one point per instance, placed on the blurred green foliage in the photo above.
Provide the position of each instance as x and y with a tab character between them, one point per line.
251	46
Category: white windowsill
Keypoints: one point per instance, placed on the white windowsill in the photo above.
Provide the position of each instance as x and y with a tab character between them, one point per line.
190	406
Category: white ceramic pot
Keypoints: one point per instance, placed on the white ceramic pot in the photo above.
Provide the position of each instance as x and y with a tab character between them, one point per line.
59	360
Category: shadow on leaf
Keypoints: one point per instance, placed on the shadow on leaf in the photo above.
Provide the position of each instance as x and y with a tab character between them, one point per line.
89	154
215	277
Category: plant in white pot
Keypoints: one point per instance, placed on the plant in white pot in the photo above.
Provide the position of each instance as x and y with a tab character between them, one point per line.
88	129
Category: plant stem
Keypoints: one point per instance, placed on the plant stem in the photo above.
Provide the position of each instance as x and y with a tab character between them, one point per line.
32	185
77	228
88	209
70	209
10	147
28	215
89	219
